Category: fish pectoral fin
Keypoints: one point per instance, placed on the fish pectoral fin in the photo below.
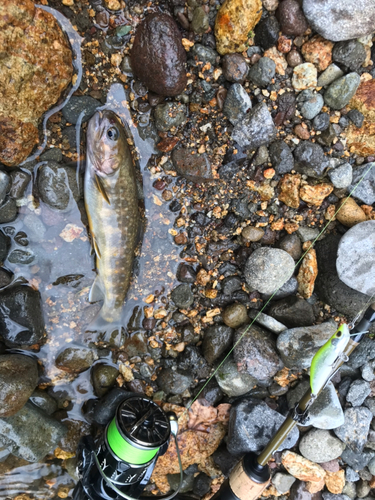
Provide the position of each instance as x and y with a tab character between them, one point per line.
101	188
96	248
96	292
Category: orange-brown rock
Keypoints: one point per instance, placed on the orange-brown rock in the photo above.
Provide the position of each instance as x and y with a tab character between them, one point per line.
301	468
314	487
289	190
264	189
35	67
349	213
364	100
318	51
234	22
335	481
362	140
315	194
278	58
307	274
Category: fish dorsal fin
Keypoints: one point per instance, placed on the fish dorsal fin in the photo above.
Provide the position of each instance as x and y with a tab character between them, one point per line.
101	188
96	248
96	292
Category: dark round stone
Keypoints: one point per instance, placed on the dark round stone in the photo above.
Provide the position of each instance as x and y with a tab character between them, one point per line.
291	18
321	121
267	32
235	68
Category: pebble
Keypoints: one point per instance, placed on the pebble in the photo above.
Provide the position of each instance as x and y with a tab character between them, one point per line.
315	195
291	243
186	273
75	359
217	340
365	191
23	257
21	318
18	379
292	312
356	258
350	53
345	23
204	54
298	346
301	468
267	321
302	132
44	401
256	129
202	485
357	459
281	157
255	354
332	73
231	381
194	167
103	378
30	433
174	382
200	22
191	361
19	182
8	211
307	233
350	213
4	185
304	76
237	103
76	105
294	58
106	406
187	482
169	115
367	373
364	353
182	296
355	429
234	20
235	315
267	32
356	117
351	475
342	176
319	446
252	423
318	51
283	482
339	93
235	68
321	122
158	57
5	278
291	18
310	103
250	234
309	159
262	72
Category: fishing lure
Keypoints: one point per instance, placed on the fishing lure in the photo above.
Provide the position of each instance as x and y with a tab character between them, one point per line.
324	361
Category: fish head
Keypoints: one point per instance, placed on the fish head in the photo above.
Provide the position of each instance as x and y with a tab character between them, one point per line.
106	142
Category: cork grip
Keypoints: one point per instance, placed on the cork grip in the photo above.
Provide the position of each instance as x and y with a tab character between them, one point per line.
244	487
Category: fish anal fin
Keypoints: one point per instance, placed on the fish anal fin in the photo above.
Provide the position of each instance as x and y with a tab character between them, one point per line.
96	292
101	188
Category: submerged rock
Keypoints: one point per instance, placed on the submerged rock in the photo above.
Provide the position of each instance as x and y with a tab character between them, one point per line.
57	185
75	359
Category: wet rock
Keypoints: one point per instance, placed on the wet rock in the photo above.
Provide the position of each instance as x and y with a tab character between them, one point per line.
357	460
351	54
57	185
365	191
319	446
299	491
158	58
256	129
204	54
18	256
216	341
235	315
318	51
231	284
255	353
200	22
261	156
283	482
234	20
358	392
75	359
315	195
231	381
250	233
356	257
8	211
355	429
174	382
4	246
267	269
252	424
345	23
309	159
292	312
267	32
294	58
18	379
321	122
5	278
21	318
262	72
299	345
291	18
341	177
186	273
44	401
194	167
103	378
202	485
356	117
267	321
187	482
191	361
76	105
182	296
45	63
169	115
307	233
304	76
30	433
4	185
341	91
237	103
310	103
106	407
235	68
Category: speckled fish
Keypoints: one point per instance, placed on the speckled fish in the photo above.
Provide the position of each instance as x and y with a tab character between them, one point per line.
324	360
112	208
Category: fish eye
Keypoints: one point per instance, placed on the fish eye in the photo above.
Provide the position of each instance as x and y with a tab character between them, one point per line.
112	133
339	333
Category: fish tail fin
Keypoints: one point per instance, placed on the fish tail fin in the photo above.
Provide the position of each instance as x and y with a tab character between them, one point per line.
107	327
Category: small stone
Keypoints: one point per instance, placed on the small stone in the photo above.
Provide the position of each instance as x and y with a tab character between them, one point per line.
75	359
355	429
289	288
231	381
357	460
291	18
4	185
174	382
235	315
293	311
204	54
283	482
365	190
169	115
278	58
319	446
315	195
307	274
367	373
202	485
339	93
281	157
267	32
356	117
289	187
294	58
304	76
8	211
318	51
350	213
57	184
192	166
186	273
267	321
235	68
78	104
307	233
350	53
23	257
237	103
310	103
321	122
262	72
256	129
270	5
44	401
292	244
182	296
302	132
103	378
351	475
250	234
20	180
267	269
301	468
284	45
341	176
216	341
309	159
335	481
200	22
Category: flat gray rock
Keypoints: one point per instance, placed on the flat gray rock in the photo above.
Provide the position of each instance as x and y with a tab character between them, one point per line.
267	321
343	20
356	258
355	429
320	446
256	129
364	188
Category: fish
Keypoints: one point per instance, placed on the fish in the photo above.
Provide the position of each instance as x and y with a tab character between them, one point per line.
111	202
323	363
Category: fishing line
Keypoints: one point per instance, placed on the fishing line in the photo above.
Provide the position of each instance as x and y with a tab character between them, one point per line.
274	293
